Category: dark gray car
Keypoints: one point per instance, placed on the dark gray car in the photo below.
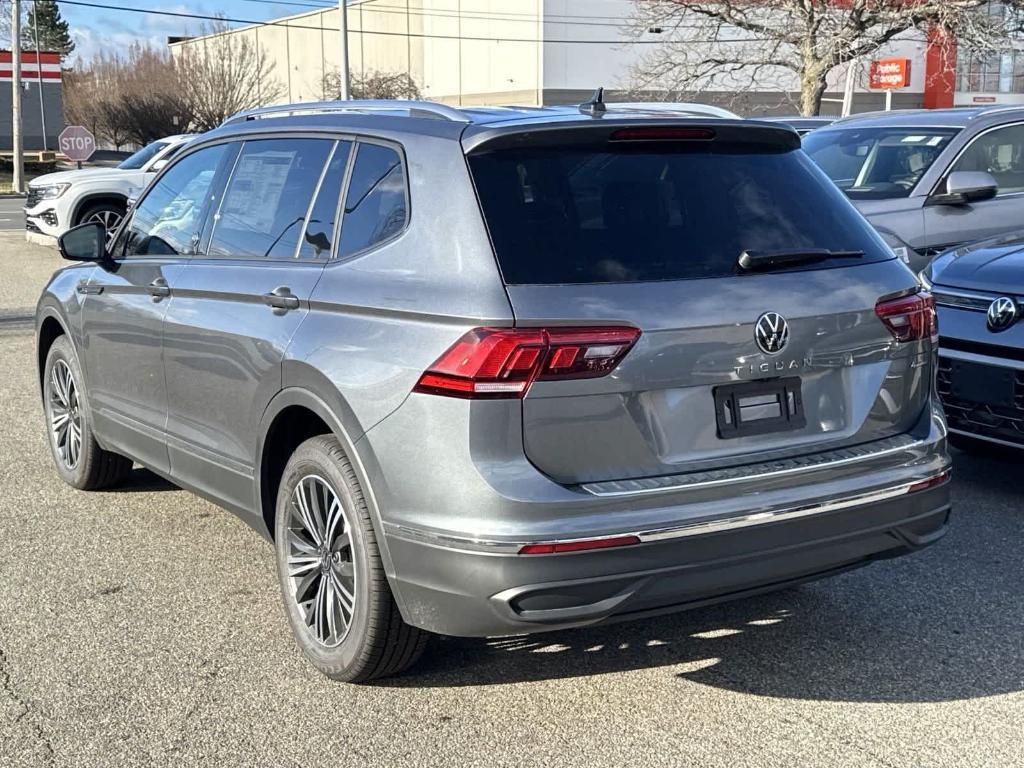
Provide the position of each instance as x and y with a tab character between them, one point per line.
979	290
929	180
502	371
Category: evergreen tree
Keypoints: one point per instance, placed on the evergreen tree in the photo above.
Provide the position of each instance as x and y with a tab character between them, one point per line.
53	30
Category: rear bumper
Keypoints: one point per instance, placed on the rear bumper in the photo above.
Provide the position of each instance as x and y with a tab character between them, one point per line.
474	592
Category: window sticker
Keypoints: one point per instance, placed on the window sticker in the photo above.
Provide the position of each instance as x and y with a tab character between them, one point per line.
254	193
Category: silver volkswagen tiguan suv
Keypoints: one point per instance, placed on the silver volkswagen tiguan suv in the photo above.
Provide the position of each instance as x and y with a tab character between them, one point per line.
504	370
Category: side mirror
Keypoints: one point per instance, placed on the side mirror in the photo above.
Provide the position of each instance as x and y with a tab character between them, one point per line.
86	242
158	165
964	187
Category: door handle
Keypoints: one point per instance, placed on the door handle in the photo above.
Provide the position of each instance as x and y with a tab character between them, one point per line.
88	289
281	298
158	289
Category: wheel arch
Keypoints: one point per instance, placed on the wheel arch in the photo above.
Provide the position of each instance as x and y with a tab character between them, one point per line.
97	197
296	414
306	404
49	327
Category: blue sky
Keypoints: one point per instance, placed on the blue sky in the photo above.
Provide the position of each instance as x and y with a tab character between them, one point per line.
95	29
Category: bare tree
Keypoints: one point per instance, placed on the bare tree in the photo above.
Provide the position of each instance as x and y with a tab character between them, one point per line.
372	85
225	73
735	45
131	97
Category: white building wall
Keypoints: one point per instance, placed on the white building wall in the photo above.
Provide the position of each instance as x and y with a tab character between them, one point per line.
489	51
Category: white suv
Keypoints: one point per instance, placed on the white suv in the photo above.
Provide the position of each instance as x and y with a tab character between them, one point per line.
58	201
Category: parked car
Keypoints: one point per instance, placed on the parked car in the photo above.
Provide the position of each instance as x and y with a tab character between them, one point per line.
929	180
617	367
58	201
802	125
979	290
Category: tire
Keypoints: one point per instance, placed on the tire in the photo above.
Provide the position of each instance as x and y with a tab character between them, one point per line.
108	213
353	640
80	461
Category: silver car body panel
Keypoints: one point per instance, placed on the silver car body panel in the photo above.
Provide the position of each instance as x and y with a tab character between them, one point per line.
191	383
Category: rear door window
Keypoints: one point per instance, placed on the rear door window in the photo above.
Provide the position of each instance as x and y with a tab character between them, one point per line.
263	211
376	207
319	234
657	212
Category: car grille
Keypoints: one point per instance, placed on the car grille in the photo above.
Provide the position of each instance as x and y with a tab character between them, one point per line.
983	420
33	198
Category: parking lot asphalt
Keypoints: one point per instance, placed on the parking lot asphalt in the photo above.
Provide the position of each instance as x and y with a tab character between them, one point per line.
142	626
12	216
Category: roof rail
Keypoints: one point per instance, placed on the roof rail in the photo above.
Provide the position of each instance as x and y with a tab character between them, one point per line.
670	106
414	108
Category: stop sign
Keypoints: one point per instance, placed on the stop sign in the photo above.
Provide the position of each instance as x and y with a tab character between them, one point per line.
76	143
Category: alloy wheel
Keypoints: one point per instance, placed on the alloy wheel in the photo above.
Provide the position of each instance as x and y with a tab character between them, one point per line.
321	560
110	219
65	414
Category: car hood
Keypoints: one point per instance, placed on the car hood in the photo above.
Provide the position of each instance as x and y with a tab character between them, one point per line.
993	266
76	176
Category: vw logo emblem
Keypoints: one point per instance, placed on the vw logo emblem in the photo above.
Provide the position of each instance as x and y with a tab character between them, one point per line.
771	333
1002	313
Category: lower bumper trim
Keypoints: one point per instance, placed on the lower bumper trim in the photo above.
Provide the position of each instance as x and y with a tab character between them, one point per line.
696	528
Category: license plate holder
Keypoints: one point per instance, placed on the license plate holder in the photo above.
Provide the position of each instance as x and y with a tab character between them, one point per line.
759	407
983	384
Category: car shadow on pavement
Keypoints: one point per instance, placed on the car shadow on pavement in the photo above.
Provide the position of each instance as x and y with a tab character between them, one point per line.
940	625
141	480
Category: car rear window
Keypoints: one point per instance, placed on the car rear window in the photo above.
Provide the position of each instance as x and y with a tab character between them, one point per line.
657	212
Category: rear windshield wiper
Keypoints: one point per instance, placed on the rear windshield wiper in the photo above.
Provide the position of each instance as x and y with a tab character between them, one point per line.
757	261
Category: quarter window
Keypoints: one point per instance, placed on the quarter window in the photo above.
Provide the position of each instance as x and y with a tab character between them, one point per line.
169	219
263	212
1000	153
375	205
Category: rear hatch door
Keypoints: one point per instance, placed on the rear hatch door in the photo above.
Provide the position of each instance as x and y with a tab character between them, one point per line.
643	227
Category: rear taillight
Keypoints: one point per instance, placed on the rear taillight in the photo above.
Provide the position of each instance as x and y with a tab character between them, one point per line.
910	318
504	362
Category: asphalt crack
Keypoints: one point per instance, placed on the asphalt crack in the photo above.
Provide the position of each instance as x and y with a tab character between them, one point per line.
7	686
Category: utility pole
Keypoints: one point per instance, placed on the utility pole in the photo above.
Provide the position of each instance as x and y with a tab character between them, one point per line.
343	29
19	151
39	75
848	86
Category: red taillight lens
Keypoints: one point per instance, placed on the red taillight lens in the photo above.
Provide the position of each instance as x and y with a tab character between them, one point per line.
661	133
504	362
910	318
578	546
931	482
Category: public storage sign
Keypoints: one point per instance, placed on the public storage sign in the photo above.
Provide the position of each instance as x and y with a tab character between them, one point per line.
887	74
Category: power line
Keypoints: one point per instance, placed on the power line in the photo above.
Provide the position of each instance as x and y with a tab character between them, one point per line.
451	14
418	35
611	21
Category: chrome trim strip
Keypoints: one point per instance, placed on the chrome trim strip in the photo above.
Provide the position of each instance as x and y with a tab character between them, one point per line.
975	357
699	528
987	439
963	299
595	488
